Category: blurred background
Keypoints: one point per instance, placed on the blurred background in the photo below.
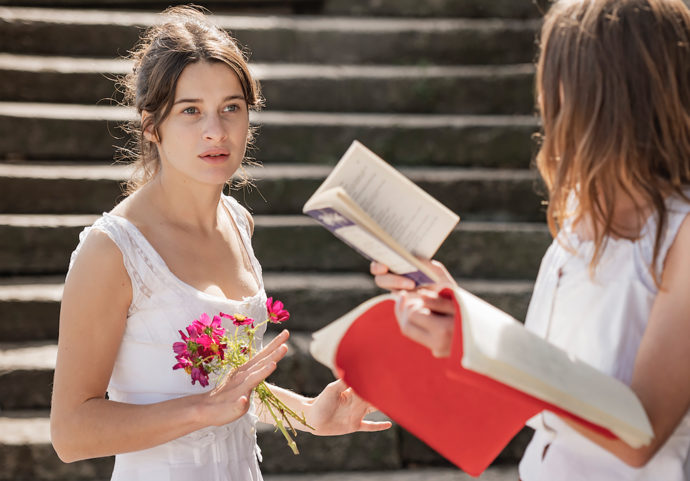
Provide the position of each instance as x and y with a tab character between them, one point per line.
441	89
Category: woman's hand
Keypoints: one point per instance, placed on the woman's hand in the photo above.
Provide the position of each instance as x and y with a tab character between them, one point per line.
428	318
394	282
230	399
423	314
338	410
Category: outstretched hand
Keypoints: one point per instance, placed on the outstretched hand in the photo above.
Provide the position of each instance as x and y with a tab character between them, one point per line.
338	410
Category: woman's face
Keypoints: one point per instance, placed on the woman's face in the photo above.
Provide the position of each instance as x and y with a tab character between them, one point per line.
205	135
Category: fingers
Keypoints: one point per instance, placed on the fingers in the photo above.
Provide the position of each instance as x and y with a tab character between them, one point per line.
421	324
255	377
445	279
387	280
377	269
394	282
271	350
436	303
375	425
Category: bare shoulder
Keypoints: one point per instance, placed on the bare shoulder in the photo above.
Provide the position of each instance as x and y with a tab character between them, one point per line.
678	258
99	271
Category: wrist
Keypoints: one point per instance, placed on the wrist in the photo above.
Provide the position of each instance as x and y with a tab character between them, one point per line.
199	410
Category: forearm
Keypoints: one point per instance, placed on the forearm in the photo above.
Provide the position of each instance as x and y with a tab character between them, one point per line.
635	457
100	427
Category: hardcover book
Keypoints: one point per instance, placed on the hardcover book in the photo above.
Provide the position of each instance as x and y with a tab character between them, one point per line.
470	405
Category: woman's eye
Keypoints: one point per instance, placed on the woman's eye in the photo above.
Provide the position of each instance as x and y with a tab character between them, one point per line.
231	108
190	110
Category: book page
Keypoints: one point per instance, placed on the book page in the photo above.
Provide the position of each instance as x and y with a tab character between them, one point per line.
410	215
500	347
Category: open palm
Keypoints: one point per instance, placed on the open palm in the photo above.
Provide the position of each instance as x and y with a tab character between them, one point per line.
338	410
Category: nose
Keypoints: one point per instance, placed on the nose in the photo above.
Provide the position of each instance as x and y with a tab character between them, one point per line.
213	128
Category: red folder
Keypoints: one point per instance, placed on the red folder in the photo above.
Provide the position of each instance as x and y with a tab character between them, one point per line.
465	416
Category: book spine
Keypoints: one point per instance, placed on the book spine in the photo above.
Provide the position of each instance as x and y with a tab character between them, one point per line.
334	221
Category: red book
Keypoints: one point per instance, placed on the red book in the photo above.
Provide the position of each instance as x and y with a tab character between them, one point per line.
470	405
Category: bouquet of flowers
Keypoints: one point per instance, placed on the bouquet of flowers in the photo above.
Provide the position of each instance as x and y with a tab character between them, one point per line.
206	349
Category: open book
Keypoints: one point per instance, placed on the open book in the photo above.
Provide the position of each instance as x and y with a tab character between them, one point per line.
470	405
380	213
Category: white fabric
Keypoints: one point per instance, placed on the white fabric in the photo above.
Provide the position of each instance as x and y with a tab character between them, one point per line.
601	321
161	305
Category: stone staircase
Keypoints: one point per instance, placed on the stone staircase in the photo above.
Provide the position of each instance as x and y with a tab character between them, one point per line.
441	89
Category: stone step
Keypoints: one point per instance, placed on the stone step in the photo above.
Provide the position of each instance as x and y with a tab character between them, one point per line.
68	132
499	89
30	306
390	8
26	371
323	40
41	244
475	194
266	7
436	8
499	472
26	454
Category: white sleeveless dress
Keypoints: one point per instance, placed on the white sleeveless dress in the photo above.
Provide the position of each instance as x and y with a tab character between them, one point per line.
600	321
161	305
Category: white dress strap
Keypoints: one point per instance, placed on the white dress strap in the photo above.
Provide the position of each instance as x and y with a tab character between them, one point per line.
240	216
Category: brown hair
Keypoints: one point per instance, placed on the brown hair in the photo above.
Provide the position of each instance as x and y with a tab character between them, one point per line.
613	81
187	36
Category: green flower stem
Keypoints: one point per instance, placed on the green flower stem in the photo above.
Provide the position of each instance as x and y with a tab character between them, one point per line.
279	424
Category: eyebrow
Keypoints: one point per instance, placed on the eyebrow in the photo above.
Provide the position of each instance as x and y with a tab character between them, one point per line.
194	101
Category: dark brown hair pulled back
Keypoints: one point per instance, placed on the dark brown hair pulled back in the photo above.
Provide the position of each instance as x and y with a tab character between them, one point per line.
184	37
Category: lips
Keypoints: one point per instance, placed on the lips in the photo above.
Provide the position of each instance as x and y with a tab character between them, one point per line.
215	155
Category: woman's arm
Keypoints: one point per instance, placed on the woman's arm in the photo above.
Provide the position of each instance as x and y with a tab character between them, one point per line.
93	313
336	410
661	376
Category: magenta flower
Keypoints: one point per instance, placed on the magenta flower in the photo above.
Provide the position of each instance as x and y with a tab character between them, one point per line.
180	348
208	326
183	362
199	374
276	311
239	319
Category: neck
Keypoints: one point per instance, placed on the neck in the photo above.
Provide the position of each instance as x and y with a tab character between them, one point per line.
187	204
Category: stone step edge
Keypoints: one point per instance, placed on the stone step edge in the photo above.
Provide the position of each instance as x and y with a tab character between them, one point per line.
49	288
268	22
270	71
45	110
119	172
41	355
75	220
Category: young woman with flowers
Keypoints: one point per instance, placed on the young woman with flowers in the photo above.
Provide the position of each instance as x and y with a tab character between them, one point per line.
175	248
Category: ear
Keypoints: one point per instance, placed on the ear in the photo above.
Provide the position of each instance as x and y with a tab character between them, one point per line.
149	133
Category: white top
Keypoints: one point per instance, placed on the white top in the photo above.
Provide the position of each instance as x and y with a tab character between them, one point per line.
601	322
161	305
